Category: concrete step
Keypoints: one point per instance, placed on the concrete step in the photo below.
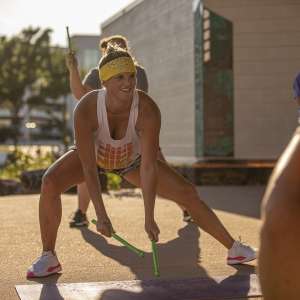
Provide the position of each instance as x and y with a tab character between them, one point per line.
205	288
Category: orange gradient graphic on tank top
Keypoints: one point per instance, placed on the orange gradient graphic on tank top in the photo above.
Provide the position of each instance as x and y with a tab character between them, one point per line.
109	157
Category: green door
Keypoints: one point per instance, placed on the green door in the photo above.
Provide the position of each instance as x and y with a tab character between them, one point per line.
213	84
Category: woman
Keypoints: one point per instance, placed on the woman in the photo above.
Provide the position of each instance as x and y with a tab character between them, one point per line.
117	129
79	89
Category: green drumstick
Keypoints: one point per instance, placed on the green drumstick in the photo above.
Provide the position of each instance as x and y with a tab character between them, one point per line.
69	39
155	259
125	243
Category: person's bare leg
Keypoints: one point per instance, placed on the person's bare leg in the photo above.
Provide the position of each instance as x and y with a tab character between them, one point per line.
161	157
279	262
63	174
175	187
83	197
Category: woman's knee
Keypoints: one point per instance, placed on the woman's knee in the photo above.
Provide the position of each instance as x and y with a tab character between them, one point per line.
49	183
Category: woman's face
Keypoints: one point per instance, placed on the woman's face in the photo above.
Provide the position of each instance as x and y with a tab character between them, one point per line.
121	86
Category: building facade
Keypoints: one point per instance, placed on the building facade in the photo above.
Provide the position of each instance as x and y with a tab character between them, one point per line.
87	50
88	55
220	71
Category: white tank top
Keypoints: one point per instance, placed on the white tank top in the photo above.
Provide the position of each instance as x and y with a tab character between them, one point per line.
114	154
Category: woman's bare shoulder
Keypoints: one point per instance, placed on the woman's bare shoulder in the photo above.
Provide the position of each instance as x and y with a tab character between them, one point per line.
86	110
87	102
146	102
148	108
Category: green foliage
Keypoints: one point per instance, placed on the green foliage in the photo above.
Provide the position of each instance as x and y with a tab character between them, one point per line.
33	71
20	161
21	61
113	181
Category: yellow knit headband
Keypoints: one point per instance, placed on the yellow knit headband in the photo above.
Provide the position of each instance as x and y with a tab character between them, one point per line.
117	66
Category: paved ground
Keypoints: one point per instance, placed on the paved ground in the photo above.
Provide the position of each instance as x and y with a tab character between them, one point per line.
184	251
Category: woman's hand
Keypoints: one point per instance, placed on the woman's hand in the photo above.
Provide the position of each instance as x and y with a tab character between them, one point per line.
152	230
104	226
71	60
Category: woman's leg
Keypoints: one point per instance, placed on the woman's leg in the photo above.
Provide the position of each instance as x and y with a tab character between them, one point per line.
186	216
175	187
83	197
60	176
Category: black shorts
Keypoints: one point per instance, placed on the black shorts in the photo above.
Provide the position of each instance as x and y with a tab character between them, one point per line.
121	172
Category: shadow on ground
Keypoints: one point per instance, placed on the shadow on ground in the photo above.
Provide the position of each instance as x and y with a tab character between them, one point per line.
179	258
241	200
50	289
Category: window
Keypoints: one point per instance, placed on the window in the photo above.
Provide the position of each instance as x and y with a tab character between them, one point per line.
90	58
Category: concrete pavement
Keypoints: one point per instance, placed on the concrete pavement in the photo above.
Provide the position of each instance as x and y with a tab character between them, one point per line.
184	251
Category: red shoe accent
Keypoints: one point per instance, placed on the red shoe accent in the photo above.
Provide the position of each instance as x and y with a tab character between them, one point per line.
51	269
30	275
236	258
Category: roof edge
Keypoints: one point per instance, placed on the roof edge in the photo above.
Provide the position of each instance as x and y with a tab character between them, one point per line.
120	13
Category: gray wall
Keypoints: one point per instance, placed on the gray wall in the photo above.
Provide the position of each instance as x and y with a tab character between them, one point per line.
161	38
88	55
266	59
87	50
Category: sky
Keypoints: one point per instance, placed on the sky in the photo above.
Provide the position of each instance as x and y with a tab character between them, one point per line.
82	17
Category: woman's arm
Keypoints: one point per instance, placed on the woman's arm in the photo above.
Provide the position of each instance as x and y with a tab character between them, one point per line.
85	123
141	79
77	88
149	136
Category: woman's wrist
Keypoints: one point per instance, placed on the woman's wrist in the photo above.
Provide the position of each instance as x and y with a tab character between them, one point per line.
149	216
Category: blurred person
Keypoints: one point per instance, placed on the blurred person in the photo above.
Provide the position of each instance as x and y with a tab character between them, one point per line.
117	129
296	90
79	89
279	262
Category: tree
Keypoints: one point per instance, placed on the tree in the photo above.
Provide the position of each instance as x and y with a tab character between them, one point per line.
32	75
21	59
53	87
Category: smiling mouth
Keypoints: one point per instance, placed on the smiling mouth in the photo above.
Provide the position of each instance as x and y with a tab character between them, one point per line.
126	90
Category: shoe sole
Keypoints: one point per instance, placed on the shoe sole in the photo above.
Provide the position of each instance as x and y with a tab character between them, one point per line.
57	270
82	224
237	262
188	219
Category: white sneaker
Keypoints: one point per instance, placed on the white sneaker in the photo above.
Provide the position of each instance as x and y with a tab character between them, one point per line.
187	217
240	253
47	264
